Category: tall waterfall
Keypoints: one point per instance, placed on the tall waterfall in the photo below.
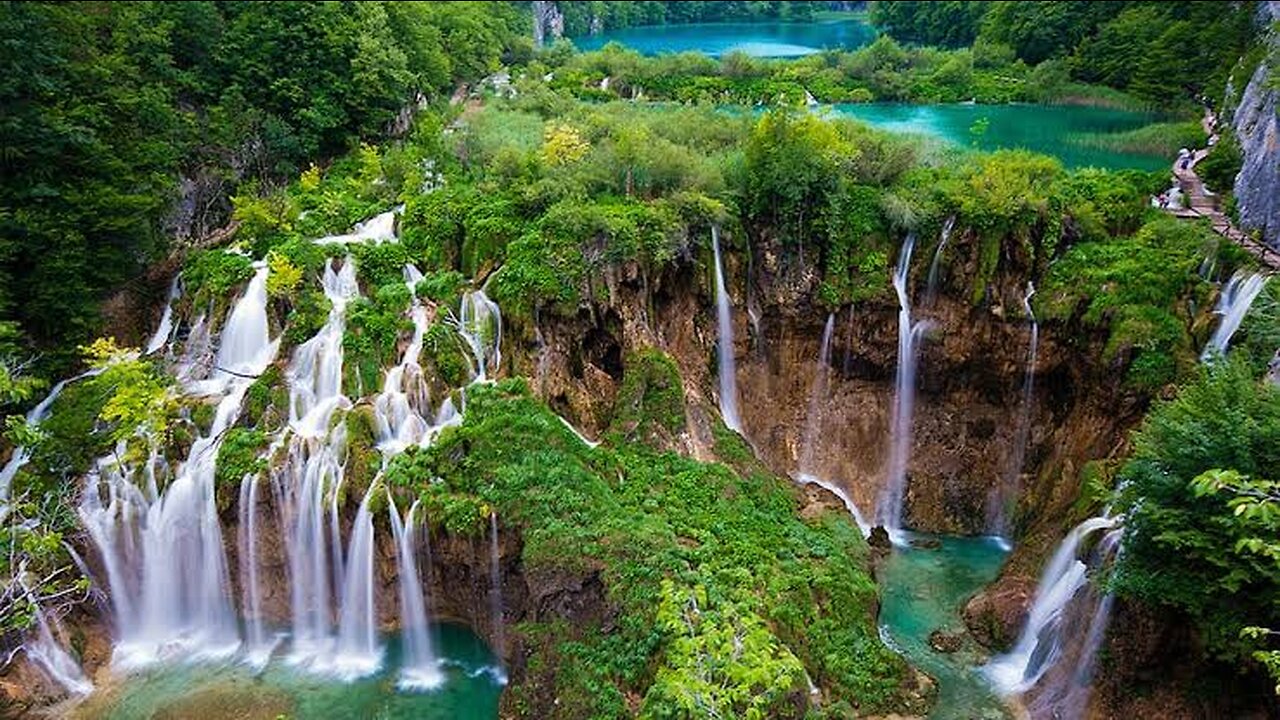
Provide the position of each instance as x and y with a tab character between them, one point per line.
724	344
404	404
1007	491
1042	639
889	508
931	290
163	552
1233	304
495	589
165	330
311	475
357	652
45	650
250	598
421	669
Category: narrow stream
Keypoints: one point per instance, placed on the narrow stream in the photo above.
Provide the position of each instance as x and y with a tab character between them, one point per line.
924	586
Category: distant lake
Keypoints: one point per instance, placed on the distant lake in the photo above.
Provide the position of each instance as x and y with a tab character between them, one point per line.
1058	130
758	39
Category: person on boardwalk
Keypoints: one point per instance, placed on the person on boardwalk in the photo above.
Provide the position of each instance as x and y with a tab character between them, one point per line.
1184	159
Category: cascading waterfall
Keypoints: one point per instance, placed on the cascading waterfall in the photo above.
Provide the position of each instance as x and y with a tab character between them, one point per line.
1233	304
376	229
1041	641
161	337
889	508
1007	491
401	409
357	653
163	552
931	289
1063	692
480	325
311	476
724	345
46	652
421	669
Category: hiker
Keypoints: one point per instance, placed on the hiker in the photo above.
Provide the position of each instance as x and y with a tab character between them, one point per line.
1184	158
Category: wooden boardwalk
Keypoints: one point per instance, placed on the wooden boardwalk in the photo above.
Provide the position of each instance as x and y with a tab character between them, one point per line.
1203	204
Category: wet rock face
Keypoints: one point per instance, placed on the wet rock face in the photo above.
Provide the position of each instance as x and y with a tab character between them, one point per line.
1255	123
996	615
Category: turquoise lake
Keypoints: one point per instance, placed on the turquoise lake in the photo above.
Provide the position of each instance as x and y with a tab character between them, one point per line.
758	39
1064	131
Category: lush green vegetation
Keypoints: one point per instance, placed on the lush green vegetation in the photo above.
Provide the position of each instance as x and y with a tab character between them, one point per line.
1163	52
723	600
103	106
1203	513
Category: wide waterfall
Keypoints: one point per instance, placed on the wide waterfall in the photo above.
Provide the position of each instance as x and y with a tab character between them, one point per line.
1006	492
1233	304
1041	642
163	552
421	668
724	343
889	508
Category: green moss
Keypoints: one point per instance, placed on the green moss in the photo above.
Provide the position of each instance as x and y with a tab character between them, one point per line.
370	342
211	275
266	402
309	312
441	286
650	404
444	355
663	531
363	459
240	454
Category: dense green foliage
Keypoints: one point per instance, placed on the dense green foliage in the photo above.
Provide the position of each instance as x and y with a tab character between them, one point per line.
691	555
1202	517
104	105
1163	52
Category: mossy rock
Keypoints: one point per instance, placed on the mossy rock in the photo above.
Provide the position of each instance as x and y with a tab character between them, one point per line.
650	404
363	460
240	454
266	402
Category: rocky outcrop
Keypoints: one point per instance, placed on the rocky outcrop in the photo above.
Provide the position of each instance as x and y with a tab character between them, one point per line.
548	22
1255	123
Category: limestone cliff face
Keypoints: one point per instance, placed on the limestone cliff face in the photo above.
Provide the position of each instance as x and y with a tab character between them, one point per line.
548	22
1255	123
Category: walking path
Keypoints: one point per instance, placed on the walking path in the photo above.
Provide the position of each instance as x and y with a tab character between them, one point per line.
1203	204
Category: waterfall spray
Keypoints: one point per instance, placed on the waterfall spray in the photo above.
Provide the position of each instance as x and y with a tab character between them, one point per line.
357	653
931	289
421	669
1233	304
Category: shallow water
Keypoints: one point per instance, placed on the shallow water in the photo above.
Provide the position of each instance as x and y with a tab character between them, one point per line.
758	39
1050	129
924	590
234	691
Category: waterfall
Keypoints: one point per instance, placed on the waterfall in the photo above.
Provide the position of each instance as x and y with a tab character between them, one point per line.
480	325
931	290
1063	692
817	393
22	455
376	229
421	669
724	346
889	508
1007	491
357	653
839	492
46	652
162	334
1041	641
495	591
400	410
258	647
163	552
310	478
1233	304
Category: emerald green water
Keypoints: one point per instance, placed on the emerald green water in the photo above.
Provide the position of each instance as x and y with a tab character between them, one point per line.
1056	130
924	590
758	39
197	691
